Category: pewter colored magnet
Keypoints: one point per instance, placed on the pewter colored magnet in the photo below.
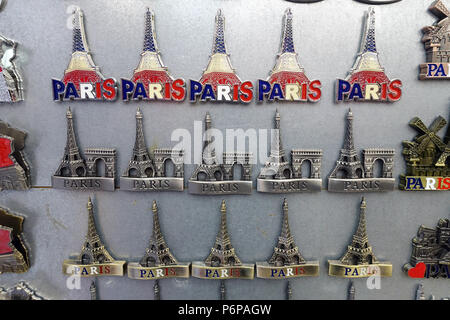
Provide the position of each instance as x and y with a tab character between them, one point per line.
352	175
436	40
11	84
149	173
281	176
94	259
158	262
222	263
212	178
286	261
359	260
21	291
77	173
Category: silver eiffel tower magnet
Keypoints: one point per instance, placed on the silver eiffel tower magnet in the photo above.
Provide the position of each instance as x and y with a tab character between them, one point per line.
11	84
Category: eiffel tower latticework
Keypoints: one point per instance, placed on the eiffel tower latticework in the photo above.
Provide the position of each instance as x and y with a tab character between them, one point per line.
349	162
443	159
157	252
140	165
286	252
359	251
72	164
222	254
93	250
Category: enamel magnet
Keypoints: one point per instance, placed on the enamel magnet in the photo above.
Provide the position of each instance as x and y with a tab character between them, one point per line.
13	252
11	84
14	168
212	178
287	80
76	172
82	79
94	259
436	40
281	176
158	262
150	173
430	256
222	263
151	79
286	261
21	291
353	175
427	158
367	80
359	260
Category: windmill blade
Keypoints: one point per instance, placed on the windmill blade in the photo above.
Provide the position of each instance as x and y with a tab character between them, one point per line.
438	124
439	143
417	124
425	140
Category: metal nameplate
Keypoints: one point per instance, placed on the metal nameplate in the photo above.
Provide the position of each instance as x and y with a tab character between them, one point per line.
179	270
267	271
361	185
114	268
220	187
151	184
288	185
338	269
243	271
83	183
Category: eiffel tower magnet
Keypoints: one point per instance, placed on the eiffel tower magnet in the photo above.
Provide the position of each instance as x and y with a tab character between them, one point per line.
286	260
359	260
146	173
281	176
77	173
94	259
158	261
352	175
222	262
212	178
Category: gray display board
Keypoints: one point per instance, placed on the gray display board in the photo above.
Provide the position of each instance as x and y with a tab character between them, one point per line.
327	38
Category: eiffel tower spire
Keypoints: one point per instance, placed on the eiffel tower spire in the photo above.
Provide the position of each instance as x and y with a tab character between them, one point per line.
93	290
209	152
79	35
140	148
348	142
287	42
156	291
351	291
149	36
420	294
157	252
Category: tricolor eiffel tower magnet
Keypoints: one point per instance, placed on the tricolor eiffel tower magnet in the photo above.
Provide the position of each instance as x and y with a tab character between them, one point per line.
222	263
82	79
359	260
286	261
11	83
281	176
352	175
367	80
151	173
158	262
94	259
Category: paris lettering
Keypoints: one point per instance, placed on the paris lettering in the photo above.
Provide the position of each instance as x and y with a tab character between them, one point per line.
436	270
101	90
91	270
290	185
361	271
223	273
307	91
286	272
427	183
222	187
438	70
362	185
387	91
151	184
82	184
157	273
169	91
222	93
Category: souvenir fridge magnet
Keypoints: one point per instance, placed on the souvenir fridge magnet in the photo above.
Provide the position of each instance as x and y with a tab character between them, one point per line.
94	259
13	252
14	168
427	158
11	84
222	263
151	79
21	291
158	262
359	260
212	178
367	80
430	257
77	173
151	173
82	79
287	80
286	260
351	175
281	176
436	39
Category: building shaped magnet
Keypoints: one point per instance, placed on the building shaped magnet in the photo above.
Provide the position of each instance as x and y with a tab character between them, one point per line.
286	260
353	175
436	40
287	80
222	262
427	158
11	83
14	168
359	261
367	80
21	291
430	256
212	178
281	176
94	259
82	78
158	261
13	252
78	172
151	173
